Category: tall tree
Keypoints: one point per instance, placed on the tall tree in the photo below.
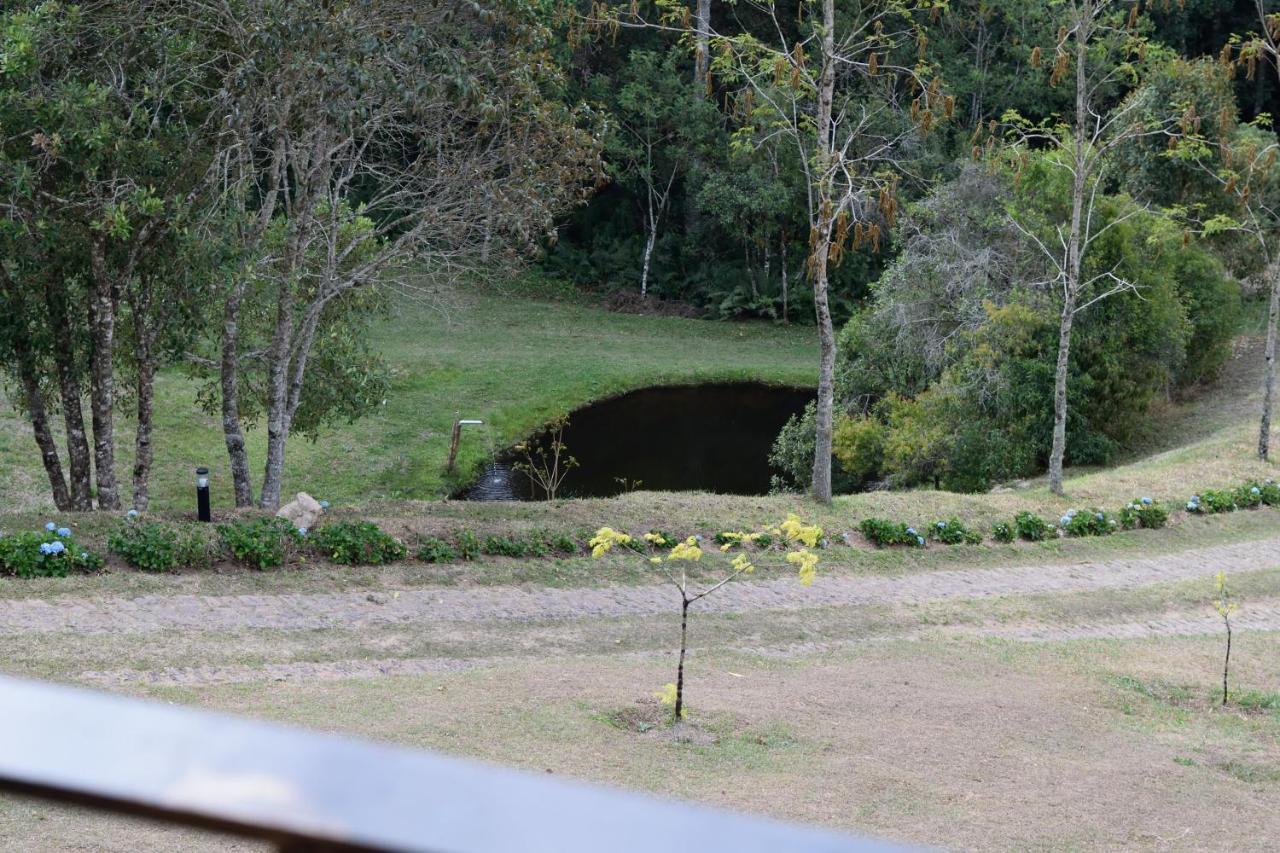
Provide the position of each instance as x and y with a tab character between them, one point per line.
1098	47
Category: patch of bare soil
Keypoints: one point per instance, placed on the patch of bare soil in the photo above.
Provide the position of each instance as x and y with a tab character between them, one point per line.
627	302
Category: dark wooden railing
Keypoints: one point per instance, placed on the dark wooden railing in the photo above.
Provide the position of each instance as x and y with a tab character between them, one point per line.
306	791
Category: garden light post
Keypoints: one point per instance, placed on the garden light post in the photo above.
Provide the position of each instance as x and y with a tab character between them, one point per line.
202	495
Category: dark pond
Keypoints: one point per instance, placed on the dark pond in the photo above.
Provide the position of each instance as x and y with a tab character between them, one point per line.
713	438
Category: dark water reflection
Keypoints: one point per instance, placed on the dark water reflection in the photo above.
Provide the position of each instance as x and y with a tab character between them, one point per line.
713	438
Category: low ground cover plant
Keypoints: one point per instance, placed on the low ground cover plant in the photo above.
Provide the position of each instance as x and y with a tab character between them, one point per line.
1031	527
952	531
1003	532
260	543
154	546
1143	512
1094	522
882	533
357	543
49	553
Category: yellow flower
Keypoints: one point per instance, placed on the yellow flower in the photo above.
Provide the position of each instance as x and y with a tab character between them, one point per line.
807	561
667	696
796	531
655	560
655	538
742	564
726	546
605	539
686	550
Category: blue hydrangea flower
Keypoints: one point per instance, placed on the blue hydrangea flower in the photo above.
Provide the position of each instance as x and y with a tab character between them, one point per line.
919	540
56	547
1099	516
1195	499
1146	501
302	531
1192	505
84	555
1255	490
45	548
324	504
50	526
64	532
912	531
1065	520
941	524
133	513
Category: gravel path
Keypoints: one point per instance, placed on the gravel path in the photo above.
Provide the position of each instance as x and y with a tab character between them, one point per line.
351	610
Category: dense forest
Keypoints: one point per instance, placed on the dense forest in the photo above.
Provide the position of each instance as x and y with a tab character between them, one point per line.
1013	225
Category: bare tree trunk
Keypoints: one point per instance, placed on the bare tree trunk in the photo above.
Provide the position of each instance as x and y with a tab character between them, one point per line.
278	398
1226	662
684	634
821	488
1269	383
701	87
231	429
80	471
102	385
1074	246
782	251
649	240
145	339
40	426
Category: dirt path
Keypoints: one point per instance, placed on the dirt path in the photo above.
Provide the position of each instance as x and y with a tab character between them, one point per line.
348	610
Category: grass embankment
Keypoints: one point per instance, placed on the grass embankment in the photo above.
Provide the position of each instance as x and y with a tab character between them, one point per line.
514	358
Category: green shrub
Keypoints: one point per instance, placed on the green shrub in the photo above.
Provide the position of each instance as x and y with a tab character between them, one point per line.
1247	496
1143	512
953	532
432	549
50	553
563	543
468	545
358	543
1212	501
1032	527
154	546
1270	493
1095	522
1002	531
881	532
262	543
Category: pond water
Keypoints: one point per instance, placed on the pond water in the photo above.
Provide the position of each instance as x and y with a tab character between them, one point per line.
713	438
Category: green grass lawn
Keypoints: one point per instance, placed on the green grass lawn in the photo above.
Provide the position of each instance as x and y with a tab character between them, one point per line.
514	357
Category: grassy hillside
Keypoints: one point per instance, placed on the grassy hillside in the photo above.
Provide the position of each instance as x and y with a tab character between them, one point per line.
512	358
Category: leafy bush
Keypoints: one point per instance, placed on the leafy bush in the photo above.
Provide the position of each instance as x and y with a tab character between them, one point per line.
432	549
562	543
1092	523
528	546
50	553
1032	527
358	543
1143	512
1002	531
1212	501
1247	496
154	546
882	532
262	543
468	545
1270	493
953	532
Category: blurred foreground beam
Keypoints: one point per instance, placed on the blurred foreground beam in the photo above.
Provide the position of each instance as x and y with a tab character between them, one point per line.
306	791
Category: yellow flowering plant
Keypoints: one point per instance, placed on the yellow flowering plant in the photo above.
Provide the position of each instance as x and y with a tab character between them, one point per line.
792	535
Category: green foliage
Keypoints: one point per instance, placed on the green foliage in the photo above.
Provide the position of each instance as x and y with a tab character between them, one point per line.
260	543
517	546
1002	531
468	545
154	546
881	533
1094	522
357	543
45	554
792	455
433	549
952	531
1143	512
1211	501
1032	527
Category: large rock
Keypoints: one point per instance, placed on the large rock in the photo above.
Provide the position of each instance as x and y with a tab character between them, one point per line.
302	511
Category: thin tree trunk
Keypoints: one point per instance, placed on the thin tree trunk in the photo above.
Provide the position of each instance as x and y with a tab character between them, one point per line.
684	634
1269	383
40	426
80	470
232	432
29	376
782	252
1074	247
278	398
143	452
826	334
701	87
649	240
102	379
1226	663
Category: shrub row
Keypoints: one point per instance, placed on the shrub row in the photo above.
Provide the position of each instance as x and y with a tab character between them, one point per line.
49	553
1248	495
